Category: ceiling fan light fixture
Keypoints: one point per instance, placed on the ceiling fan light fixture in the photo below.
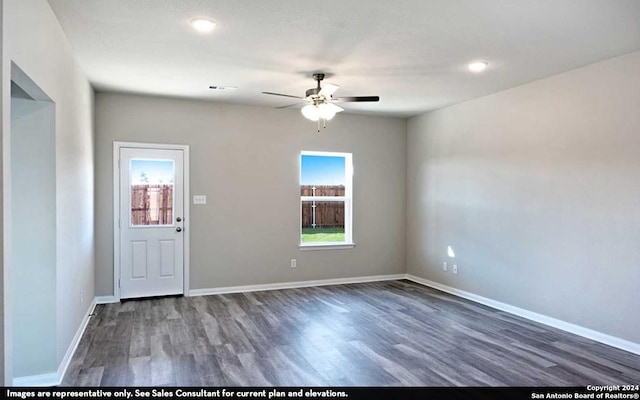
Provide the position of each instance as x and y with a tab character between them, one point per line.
478	66
330	110
325	111
311	112
319	101
203	25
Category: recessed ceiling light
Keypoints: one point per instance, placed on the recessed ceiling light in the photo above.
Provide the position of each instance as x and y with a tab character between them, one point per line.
223	88
478	66
203	25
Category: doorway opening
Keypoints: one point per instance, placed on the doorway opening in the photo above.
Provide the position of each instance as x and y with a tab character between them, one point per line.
31	227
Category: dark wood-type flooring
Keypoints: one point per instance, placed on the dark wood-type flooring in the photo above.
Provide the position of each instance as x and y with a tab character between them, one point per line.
394	333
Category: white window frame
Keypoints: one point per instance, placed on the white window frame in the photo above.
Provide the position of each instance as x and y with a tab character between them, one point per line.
347	199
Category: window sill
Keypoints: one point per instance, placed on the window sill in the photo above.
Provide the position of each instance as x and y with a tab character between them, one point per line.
326	246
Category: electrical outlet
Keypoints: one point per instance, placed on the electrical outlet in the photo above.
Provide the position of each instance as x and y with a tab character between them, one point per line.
444	266
293	263
455	269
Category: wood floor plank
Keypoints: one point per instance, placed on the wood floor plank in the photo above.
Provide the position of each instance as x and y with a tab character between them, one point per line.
181	338
393	333
186	371
258	369
587	353
325	361
139	371
90	377
291	367
140	339
361	370
449	375
209	369
162	370
402	374
234	372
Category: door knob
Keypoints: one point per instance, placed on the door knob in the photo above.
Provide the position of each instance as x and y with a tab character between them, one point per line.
178	229
178	219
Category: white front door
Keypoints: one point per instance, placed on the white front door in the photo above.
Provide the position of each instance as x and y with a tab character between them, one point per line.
151	222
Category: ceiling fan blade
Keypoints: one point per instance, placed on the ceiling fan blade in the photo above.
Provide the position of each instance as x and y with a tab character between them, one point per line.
284	95
328	89
356	99
334	108
291	105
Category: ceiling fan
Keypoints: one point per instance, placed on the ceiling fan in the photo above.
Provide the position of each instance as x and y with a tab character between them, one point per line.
320	103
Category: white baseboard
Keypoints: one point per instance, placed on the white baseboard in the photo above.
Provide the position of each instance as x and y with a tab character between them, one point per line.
533	316
62	369
37	380
293	285
55	378
106	299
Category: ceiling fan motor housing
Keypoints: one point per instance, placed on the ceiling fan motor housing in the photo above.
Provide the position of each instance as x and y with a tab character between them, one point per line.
312	92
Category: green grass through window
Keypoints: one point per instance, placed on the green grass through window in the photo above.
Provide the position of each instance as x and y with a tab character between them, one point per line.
321	235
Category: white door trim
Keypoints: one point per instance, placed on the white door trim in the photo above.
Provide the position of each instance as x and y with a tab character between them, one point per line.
116	208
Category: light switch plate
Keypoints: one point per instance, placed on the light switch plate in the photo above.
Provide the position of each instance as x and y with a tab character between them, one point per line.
200	199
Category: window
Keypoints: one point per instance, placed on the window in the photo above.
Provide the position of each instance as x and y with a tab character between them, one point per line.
151	192
325	199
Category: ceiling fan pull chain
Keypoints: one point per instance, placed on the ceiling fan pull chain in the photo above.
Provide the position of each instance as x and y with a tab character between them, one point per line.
318	125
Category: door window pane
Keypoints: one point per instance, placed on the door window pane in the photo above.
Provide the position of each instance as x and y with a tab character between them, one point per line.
152	192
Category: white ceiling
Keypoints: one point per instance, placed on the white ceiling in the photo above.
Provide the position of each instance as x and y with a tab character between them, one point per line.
412	53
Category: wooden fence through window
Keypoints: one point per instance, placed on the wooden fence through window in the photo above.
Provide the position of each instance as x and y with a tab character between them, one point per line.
328	214
152	204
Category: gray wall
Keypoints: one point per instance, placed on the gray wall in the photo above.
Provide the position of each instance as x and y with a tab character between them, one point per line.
34	41
537	190
33	194
245	159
